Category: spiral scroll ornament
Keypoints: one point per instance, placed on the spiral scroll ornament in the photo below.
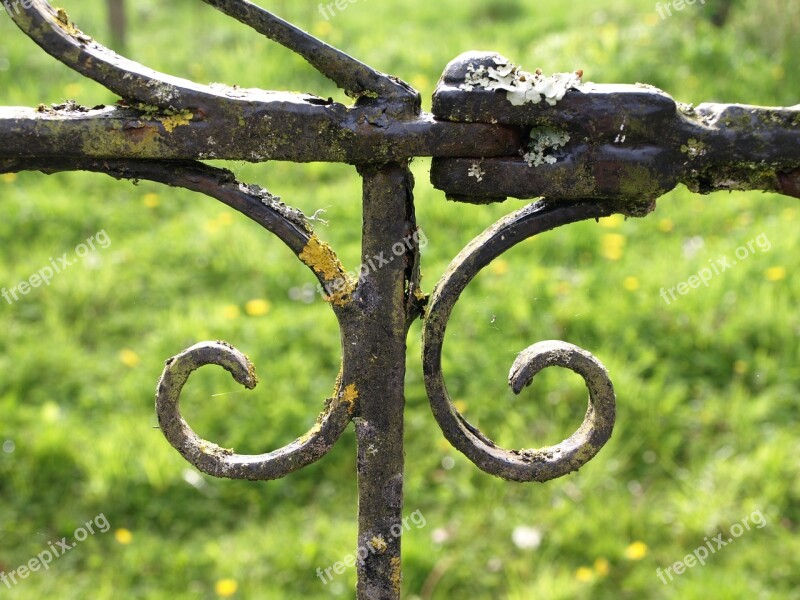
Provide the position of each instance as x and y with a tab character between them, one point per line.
518	465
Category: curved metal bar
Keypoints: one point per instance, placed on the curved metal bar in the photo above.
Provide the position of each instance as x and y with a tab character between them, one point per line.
52	29
354	77
223	462
289	224
293	229
517	465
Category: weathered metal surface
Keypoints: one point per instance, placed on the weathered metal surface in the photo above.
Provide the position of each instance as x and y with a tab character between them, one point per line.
589	150
384	303
628	143
517	465
284	128
166	117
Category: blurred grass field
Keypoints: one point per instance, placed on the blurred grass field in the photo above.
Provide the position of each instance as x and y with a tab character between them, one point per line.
707	429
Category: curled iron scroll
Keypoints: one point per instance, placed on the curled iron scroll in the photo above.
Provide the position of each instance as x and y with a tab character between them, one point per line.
176	98
518	465
224	462
293	229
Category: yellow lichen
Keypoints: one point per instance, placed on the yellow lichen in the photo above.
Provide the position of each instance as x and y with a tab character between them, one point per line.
350	395
62	18
310	433
320	257
379	544
212	449
341	296
170	118
396	575
170	122
694	148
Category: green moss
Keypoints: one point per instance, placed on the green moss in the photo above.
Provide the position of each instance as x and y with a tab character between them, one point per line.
639	182
145	142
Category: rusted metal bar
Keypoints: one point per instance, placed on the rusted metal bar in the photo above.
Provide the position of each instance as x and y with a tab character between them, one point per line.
287	128
381	301
354	77
630	143
167	117
518	465
496	131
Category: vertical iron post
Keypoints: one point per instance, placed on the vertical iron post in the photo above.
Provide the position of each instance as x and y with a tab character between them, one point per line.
381	303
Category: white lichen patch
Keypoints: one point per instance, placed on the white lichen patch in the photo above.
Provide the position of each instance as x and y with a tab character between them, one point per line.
693	148
476	171
520	86
543	141
164	93
621	136
274	202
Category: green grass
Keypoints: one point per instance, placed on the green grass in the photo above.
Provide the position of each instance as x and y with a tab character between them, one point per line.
707	429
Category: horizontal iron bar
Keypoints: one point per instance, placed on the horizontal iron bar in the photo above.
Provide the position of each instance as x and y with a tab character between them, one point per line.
289	127
623	142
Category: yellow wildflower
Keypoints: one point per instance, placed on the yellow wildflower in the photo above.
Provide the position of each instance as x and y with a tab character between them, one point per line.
631	284
612	222
231	311
257	307
776	273
499	267
612	245
226	588
602	567
129	358
123	536
636	551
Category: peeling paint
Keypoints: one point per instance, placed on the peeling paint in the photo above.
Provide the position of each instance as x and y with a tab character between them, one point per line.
476	171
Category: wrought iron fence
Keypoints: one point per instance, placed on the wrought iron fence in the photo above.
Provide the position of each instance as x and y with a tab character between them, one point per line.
584	150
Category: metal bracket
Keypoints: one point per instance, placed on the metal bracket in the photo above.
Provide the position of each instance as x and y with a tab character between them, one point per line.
625	144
